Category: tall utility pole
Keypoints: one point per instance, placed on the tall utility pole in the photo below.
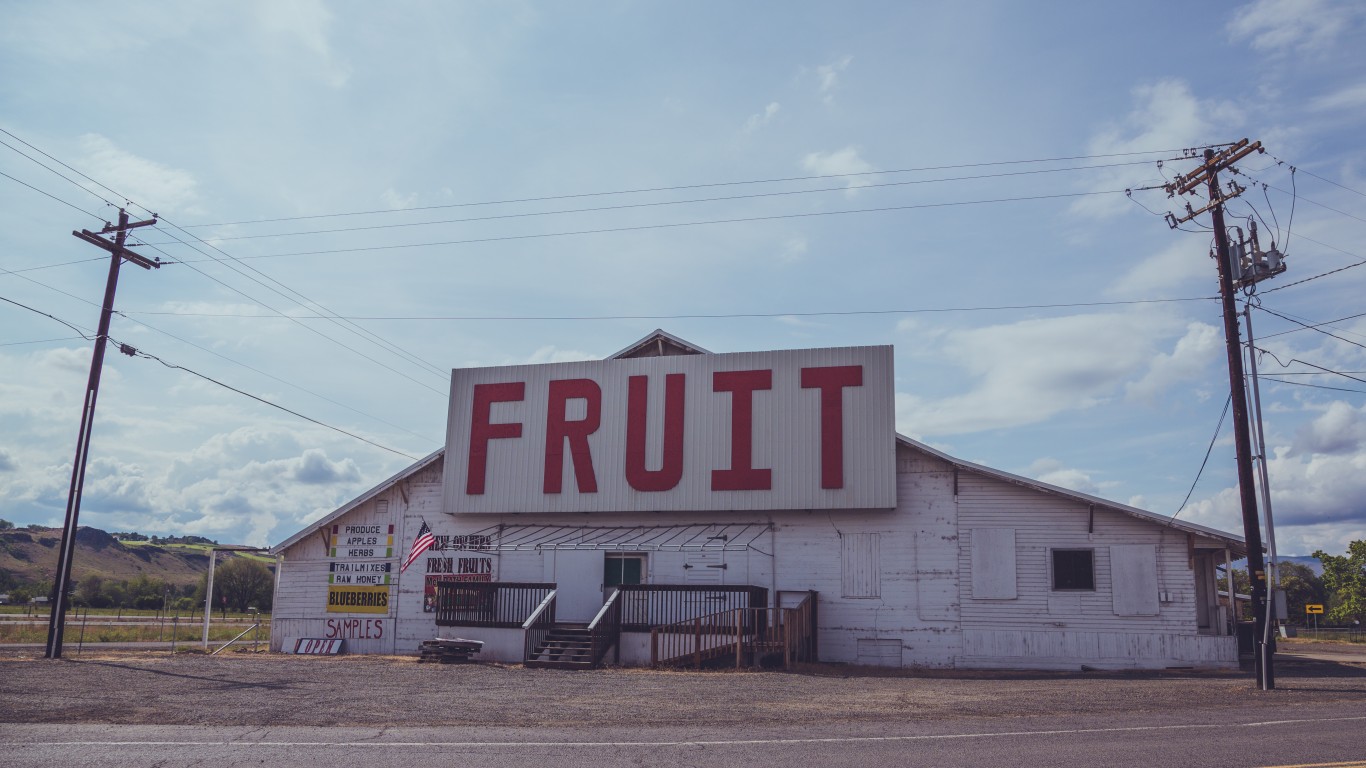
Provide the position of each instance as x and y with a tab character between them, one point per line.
1230	274
118	253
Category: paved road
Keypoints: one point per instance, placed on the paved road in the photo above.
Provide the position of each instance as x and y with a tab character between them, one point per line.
1310	735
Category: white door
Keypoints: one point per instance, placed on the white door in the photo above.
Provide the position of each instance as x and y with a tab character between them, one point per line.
578	584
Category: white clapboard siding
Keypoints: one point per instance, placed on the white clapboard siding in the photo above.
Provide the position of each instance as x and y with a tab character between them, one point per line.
1044	521
919	565
300	605
993	563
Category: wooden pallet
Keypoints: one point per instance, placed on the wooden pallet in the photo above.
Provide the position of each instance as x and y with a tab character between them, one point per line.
444	651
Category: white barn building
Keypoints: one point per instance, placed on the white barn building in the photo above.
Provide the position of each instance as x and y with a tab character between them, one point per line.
678	506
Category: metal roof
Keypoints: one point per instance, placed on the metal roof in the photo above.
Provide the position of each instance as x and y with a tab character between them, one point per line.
411	469
685	537
1235	542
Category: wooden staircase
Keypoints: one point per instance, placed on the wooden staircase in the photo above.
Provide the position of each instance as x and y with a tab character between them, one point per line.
566	646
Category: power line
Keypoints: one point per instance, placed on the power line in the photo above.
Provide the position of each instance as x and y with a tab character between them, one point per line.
41	341
1315	327
699	316
1279	380
54	197
1320	178
381	342
677	225
219	355
130	351
52	266
683	187
1213	439
52	317
656	204
1306	327
296	320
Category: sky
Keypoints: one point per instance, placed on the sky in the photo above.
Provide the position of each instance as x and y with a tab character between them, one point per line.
357	202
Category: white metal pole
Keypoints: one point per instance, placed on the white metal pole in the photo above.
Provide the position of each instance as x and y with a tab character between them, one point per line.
208	596
1261	450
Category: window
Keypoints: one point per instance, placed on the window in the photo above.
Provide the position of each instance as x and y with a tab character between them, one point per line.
1074	569
622	569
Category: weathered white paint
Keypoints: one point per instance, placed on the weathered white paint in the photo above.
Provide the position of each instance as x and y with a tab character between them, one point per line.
1134	575
926	565
786	435
993	563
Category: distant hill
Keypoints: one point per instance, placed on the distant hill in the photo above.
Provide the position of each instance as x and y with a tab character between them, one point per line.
29	556
1309	561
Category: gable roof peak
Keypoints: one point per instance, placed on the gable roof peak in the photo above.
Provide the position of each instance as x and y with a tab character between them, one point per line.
659	343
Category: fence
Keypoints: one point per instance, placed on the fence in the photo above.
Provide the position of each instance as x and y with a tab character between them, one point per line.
488	604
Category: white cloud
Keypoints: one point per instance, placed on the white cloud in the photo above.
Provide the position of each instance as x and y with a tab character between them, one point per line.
146	182
1350	97
1183	262
1341	429
1053	472
794	248
760	119
6	461
828	77
1029	371
841	162
1166	115
1280	26
1191	357
307	23
396	202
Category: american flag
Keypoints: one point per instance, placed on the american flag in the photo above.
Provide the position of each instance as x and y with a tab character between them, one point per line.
422	543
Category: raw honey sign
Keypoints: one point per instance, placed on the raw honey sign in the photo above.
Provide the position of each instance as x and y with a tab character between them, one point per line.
372	574
361	541
357	599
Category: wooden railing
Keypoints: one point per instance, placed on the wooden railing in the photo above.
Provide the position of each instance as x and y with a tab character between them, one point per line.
538	625
605	629
759	636
644	606
488	604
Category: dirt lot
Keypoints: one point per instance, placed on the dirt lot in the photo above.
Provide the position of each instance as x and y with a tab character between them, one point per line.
154	687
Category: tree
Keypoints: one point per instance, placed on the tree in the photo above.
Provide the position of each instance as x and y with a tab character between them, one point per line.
1302	586
1344	576
241	583
5	525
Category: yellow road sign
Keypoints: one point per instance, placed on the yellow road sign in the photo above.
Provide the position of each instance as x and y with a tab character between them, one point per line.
1313	608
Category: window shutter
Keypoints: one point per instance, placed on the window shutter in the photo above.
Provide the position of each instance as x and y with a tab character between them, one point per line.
993	564
1133	579
861	574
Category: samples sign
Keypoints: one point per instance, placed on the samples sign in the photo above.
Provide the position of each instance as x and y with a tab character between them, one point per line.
794	429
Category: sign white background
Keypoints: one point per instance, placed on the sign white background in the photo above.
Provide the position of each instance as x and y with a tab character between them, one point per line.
786	435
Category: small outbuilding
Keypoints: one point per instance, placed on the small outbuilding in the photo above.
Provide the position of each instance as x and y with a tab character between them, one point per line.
669	505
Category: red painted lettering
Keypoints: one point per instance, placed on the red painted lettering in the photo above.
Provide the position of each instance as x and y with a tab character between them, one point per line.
637	401
742	475
482	430
559	429
831	382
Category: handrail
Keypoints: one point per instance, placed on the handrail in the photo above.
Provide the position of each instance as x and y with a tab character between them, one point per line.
790	632
605	607
536	614
605	628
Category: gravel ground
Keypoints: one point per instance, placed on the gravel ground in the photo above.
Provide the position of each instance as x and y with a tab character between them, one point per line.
278	690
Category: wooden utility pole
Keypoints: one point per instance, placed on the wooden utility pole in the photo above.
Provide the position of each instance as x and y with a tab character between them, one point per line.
118	253
1230	275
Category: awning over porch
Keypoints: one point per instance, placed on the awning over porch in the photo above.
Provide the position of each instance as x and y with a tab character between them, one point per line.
635	538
